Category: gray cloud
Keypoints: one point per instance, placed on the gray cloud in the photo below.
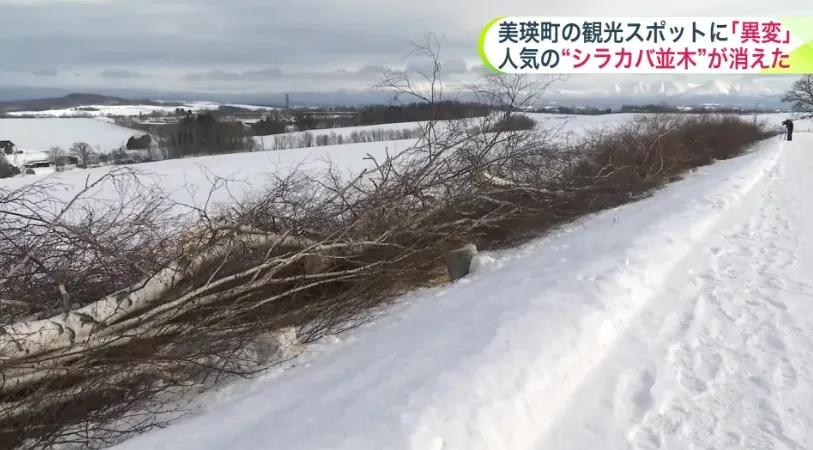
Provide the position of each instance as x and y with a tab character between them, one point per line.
366	72
221	75
120	74
449	66
45	72
36	71
264	45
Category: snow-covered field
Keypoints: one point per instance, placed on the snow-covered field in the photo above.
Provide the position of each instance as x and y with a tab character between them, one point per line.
41	134
130	110
188	180
267	142
580	124
681	321
562	124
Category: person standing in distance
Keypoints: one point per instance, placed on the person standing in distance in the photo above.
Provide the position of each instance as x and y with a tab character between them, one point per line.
788	124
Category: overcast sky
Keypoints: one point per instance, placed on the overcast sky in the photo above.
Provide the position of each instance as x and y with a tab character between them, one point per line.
273	46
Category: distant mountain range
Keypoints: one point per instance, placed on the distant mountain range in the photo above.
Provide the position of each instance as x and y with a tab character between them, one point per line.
765	92
69	101
675	88
740	93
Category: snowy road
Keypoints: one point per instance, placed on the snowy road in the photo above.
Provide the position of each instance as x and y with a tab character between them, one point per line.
681	321
723	356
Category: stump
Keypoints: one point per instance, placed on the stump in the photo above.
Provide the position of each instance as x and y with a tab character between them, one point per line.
279	345
458	262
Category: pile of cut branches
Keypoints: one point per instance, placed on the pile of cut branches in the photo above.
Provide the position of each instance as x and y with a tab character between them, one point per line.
111	307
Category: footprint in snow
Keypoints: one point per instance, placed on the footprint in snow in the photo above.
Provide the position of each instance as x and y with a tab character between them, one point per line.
633	396
785	376
691	383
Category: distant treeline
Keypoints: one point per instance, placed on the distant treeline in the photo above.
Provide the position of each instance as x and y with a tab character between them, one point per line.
583	110
415	112
653	108
304	120
198	134
307	139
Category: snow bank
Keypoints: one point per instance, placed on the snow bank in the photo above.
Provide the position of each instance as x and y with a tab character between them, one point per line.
488	362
